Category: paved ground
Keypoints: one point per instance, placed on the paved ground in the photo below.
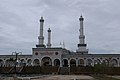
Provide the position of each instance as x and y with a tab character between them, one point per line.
117	77
50	77
58	77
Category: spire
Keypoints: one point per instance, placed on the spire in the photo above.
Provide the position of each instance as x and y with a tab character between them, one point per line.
82	46
49	39
41	37
63	44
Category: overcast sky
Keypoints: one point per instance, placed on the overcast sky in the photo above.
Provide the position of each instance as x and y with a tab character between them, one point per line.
19	24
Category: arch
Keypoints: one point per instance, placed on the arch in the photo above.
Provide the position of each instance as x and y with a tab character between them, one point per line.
72	62
80	62
89	62
97	61
36	62
65	63
46	61
114	62
22	63
9	62
1	63
56	62
106	61
29	62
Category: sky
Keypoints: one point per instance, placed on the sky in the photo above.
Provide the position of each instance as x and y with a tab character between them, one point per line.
19	24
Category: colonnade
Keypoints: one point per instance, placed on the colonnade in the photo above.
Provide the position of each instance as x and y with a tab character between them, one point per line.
65	62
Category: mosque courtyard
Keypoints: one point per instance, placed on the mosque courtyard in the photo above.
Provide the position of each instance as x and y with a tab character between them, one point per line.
63	77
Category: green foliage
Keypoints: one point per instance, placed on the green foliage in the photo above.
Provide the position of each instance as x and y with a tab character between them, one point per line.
101	68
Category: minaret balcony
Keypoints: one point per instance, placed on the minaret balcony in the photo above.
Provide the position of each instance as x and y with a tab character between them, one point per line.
82	45
81	37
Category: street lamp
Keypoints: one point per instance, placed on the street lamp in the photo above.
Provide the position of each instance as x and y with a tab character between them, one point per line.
16	54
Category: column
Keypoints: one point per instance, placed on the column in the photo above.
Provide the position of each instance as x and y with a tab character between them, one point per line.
61	63
118	62
52	62
85	62
76	62
92	62
68	62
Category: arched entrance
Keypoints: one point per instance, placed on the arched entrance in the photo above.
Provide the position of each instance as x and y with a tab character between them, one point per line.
10	62
29	62
56	62
36	62
80	62
1	63
72	62
22	63
97	62
89	62
65	63
106	61
114	62
46	61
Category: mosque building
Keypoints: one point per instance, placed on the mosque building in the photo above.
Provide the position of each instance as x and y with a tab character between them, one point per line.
46	55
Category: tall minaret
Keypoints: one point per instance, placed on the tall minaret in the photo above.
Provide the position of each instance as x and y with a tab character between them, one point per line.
41	37
49	39
82	46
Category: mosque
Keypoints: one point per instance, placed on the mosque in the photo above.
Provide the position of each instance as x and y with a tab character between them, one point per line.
46	55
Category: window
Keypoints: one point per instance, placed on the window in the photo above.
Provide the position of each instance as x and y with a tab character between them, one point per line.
56	53
36	53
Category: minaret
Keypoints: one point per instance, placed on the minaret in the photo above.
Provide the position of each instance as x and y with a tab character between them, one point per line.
82	46
49	39
41	37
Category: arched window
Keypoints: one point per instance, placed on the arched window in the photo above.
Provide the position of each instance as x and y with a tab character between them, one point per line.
46	61
65	63
1	63
106	61
9	62
36	62
72	62
114	62
22	63
80	62
56	62
97	61
89	62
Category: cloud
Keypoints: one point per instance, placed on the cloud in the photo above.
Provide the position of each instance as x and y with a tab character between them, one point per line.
19	24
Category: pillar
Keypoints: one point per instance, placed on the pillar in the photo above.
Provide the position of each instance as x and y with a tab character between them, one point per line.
118	62
52	62
85	62
61	63
69	62
76	62
93	62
